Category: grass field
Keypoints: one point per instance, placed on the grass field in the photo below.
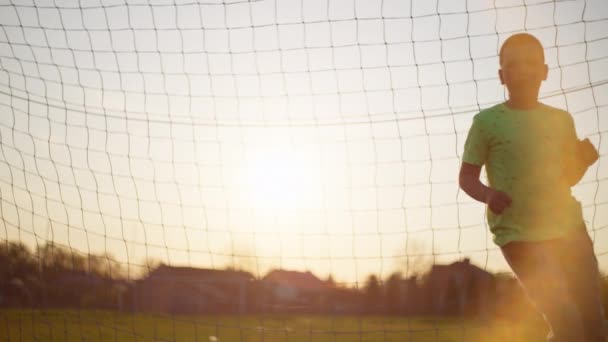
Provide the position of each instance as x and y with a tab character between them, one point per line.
37	325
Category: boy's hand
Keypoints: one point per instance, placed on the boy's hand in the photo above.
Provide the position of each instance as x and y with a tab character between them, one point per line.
497	201
587	152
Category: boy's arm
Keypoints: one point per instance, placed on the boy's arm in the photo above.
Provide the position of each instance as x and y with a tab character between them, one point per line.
469	182
584	156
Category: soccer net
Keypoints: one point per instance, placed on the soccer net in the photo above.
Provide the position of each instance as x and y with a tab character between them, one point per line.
189	158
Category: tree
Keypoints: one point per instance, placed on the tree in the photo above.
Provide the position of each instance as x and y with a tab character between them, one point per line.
393	293
17	274
414	259
104	266
241	257
55	259
331	283
373	295
16	261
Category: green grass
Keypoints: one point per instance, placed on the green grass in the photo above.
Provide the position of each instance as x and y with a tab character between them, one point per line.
38	325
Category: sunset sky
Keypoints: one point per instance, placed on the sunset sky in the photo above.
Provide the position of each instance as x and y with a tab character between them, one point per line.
308	135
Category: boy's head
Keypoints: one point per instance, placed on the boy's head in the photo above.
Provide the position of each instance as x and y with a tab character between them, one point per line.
522	66
522	39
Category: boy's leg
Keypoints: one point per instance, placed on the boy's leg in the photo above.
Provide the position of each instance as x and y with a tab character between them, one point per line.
538	270
580	266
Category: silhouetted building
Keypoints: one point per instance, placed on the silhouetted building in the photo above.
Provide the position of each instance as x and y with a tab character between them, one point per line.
460	288
193	290
294	291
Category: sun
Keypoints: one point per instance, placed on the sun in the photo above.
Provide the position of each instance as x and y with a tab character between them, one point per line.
279	178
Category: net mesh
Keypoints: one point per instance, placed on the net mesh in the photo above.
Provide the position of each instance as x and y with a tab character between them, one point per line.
314	143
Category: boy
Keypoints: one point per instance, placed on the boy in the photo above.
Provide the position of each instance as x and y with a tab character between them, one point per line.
532	157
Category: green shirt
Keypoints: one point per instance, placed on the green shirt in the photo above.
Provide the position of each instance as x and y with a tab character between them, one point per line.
524	152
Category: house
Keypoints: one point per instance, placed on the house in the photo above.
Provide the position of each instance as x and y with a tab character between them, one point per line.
192	290
294	291
460	288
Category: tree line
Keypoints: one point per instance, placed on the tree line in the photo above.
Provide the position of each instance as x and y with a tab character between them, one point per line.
54	276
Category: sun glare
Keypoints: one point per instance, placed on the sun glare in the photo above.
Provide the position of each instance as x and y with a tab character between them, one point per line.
280	179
